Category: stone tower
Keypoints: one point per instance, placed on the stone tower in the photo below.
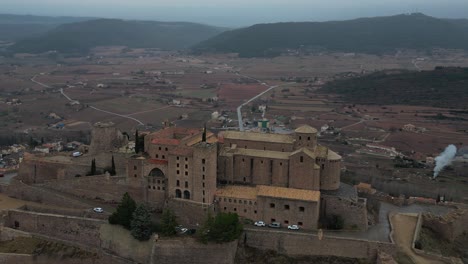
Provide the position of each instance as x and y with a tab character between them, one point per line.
106	137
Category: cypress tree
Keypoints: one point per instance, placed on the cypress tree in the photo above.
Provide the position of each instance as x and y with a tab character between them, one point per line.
93	167
204	134
137	142
113	171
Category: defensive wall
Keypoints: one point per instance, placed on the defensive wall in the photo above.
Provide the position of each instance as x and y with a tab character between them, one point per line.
43	168
429	255
96	235
189	212
100	187
307	244
22	191
448	226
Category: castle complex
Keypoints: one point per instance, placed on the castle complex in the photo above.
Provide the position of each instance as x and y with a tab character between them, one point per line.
271	177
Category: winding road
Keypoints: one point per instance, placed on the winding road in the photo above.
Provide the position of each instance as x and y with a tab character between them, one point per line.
92	107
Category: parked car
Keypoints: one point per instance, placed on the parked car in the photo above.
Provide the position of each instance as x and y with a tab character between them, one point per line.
2	175
293	227
275	225
98	210
259	223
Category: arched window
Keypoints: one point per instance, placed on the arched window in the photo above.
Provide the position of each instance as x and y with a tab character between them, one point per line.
178	193
187	195
156	173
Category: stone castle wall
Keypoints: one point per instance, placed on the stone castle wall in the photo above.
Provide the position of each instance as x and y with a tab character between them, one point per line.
105	188
105	137
22	191
354	213
301	244
188	212
449	226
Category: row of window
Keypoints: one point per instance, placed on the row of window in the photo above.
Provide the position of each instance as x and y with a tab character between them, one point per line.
235	210
286	222
286	207
178	184
239	201
159	188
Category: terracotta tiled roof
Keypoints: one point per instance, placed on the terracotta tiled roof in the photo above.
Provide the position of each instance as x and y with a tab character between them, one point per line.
306	129
254	136
239	192
181	151
165	141
333	155
251	193
288	193
260	153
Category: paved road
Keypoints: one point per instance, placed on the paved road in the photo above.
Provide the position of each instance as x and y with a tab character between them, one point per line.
378	232
239	113
6	179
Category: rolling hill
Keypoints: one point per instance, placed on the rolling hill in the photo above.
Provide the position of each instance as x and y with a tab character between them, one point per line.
366	35
442	87
16	27
82	36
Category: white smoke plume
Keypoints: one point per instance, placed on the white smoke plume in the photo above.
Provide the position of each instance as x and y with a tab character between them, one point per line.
444	159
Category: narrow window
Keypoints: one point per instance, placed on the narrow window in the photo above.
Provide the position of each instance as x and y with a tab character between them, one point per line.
164	157
286	207
186	184
299	223
286	222
323	166
135	175
224	208
134	167
255	211
157	156
186	173
203	161
203	176
166	149
302	159
186	166
177	157
301	209
308	138
178	171
235	209
186	159
159	148
178	183
272	205
245	210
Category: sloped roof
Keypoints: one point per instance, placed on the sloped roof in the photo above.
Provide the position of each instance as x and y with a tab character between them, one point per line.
305	129
255	136
306	151
288	193
260	153
240	192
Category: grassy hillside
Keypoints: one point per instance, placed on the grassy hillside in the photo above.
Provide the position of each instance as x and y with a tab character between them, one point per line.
82	36
16	27
367	35
442	87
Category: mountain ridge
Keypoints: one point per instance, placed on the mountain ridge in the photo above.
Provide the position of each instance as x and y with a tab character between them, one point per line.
366	35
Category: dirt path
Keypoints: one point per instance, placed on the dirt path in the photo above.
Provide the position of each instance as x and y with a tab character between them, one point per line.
404	226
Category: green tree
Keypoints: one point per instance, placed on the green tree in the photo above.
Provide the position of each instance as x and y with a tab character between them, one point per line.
225	227
124	213
335	222
141	225
168	223
137	142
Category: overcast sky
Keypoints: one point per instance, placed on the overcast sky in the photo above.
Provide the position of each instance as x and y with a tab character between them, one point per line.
235	13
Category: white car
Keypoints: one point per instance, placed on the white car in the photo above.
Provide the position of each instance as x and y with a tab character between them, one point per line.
259	223
293	227
98	210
